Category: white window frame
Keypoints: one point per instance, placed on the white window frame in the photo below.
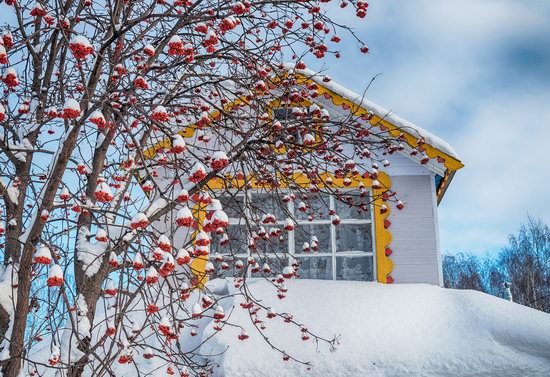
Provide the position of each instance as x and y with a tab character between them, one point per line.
333	254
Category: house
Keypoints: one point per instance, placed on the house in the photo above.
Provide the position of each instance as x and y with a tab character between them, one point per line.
379	244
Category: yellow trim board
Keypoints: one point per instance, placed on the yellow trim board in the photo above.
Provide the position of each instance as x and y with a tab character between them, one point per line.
198	264
189	130
449	162
383	237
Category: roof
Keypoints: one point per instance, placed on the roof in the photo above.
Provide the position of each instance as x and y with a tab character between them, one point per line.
381	112
432	145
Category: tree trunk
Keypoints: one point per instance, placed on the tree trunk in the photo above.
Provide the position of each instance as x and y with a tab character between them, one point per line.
17	341
90	289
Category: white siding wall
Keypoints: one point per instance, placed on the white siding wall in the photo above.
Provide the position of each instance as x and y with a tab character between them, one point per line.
415	243
403	165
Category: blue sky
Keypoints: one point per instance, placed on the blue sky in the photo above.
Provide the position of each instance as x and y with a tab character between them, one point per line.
476	73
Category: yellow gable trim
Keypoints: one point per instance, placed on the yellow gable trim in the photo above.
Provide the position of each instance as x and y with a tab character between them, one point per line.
432	152
189	131
356	110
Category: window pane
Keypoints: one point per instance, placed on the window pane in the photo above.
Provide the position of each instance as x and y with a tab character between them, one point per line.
238	241
277	245
276	264
229	271
282	113
233	206
319	206
353	206
308	232
354	268
263	203
353	238
316	268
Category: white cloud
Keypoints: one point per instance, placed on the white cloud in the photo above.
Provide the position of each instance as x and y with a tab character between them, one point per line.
507	173
460	68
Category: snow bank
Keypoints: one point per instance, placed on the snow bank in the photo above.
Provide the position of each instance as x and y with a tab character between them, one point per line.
389	331
399	330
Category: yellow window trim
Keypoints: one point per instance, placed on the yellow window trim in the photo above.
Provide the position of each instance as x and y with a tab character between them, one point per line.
383	237
198	265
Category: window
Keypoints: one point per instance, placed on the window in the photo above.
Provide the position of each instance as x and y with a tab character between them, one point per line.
353	238
316	268
298	122
283	114
308	232
354	268
343	252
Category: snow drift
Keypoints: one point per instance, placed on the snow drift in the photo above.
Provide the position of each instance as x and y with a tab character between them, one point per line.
383	330
400	330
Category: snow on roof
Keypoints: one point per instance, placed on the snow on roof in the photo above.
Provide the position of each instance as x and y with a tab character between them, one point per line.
385	330
359	100
406	126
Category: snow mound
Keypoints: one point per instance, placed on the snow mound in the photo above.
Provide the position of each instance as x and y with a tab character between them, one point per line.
398	330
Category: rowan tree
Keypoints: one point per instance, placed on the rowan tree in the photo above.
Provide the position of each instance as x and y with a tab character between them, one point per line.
90	89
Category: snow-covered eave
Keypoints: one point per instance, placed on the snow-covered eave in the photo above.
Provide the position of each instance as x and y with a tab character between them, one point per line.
441	189
441	153
434	146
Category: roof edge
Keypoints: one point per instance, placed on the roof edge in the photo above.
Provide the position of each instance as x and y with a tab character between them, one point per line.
434	145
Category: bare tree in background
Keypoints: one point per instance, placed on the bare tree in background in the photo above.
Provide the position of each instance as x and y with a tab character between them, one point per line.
524	263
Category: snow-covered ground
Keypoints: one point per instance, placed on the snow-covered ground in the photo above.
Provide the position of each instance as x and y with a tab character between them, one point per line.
384	330
398	330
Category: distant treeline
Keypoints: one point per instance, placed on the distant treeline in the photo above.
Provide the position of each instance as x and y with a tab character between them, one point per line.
525	263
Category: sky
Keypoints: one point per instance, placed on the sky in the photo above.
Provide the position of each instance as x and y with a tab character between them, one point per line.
477	74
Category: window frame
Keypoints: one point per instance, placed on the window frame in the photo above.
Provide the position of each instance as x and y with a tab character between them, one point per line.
291	251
